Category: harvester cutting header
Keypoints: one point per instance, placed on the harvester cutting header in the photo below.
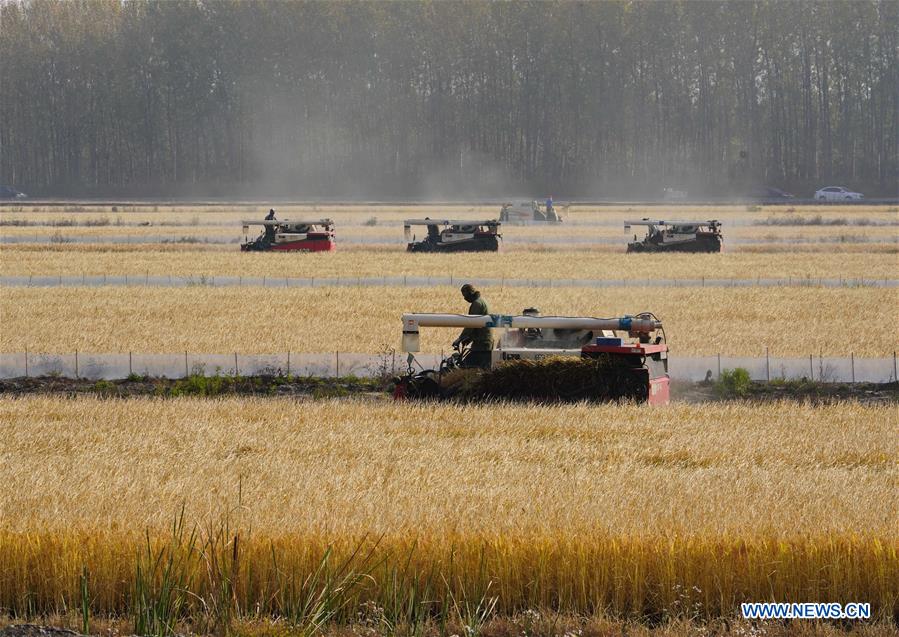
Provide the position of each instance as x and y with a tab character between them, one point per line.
463	235
546	358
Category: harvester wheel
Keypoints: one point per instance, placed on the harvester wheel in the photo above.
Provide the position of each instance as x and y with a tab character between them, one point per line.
424	387
632	387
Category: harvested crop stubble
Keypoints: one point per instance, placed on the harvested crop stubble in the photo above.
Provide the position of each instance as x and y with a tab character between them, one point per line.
578	508
393	232
175	260
219	233
844	233
698	321
582	250
840	248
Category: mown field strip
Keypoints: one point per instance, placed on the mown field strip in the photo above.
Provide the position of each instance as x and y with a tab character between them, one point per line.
407	281
82	236
790	321
789	221
393	231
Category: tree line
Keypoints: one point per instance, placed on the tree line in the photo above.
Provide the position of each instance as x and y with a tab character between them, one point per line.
426	98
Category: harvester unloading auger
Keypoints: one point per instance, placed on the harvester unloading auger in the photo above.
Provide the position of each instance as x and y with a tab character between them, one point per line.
546	358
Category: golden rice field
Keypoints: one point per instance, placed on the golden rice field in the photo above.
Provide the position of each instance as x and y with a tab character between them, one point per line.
184	261
698	321
772	250
620	510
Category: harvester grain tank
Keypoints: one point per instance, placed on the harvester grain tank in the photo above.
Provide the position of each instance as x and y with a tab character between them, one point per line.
609	358
448	235
676	236
290	236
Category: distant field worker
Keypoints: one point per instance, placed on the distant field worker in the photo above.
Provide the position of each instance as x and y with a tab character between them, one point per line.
551	210
480	338
271	215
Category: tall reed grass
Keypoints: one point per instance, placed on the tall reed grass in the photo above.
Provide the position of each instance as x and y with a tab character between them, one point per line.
310	581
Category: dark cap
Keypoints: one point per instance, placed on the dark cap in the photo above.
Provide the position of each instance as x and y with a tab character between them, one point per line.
468	288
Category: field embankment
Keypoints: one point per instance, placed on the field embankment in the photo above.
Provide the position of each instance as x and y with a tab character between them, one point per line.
379	388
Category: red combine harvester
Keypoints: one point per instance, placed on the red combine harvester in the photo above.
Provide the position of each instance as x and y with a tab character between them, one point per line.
290	236
630	353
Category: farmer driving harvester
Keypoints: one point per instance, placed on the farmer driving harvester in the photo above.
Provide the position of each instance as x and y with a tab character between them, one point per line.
479	338
270	230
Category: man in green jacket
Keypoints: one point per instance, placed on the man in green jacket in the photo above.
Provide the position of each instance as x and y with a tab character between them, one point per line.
480	338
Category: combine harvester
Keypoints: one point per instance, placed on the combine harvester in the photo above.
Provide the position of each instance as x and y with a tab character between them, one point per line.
546	358
455	235
290	236
531	212
677	236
